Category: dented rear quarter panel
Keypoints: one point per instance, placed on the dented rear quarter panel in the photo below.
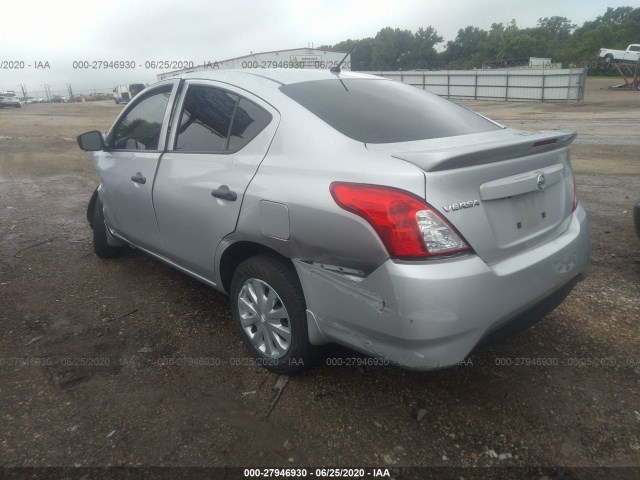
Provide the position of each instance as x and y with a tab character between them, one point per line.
297	172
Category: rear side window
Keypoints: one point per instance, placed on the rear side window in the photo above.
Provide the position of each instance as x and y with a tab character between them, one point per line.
216	121
249	121
205	120
384	111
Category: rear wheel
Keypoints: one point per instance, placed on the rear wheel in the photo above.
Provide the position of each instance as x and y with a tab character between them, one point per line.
270	313
101	246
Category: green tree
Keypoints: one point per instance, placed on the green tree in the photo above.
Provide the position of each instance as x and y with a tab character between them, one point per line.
628	30
518	46
493	45
465	47
554	37
425	55
615	16
560	27
393	49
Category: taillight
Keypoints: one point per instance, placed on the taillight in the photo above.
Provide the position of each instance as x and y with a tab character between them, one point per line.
571	186
407	226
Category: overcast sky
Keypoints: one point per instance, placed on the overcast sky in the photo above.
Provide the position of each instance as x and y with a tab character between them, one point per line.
63	31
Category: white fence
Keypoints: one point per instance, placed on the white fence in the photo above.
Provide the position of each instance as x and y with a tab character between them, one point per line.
548	85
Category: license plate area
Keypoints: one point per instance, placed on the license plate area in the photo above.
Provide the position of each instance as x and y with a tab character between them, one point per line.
528	217
528	211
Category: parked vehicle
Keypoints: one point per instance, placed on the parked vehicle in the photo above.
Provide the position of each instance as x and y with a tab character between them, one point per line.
343	207
9	99
124	93
631	54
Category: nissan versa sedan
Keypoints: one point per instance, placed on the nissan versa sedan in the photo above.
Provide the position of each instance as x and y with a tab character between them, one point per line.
335	207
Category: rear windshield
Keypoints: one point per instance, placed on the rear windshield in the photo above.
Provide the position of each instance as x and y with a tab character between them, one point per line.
383	111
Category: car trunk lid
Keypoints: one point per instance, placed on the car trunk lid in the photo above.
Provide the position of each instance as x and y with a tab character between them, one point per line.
505	191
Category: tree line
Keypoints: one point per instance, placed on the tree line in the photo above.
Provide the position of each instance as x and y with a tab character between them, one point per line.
553	37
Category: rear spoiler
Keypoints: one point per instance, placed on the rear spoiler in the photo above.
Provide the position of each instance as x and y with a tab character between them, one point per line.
504	145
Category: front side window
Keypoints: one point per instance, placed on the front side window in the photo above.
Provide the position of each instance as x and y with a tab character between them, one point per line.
140	128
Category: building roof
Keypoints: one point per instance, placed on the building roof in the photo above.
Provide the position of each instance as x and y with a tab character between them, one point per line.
310	50
212	65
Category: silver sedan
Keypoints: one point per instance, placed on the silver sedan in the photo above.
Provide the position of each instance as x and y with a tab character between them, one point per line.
341	207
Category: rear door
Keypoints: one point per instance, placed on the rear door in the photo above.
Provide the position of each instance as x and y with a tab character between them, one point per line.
220	136
128	165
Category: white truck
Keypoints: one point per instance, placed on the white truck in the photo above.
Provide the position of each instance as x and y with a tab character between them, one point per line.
631	54
124	93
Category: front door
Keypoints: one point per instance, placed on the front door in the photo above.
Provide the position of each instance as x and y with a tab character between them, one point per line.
128	165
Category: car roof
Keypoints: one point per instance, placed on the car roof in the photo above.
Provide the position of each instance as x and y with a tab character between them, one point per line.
275	76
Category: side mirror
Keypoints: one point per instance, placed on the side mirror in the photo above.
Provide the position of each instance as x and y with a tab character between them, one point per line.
91	141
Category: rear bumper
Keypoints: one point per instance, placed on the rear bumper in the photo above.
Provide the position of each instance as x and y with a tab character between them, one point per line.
529	317
432	315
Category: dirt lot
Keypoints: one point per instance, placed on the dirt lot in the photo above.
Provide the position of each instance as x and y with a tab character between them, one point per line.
86	345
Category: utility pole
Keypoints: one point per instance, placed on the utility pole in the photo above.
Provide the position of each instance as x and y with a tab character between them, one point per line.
24	92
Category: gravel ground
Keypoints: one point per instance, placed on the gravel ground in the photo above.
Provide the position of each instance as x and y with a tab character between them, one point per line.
95	355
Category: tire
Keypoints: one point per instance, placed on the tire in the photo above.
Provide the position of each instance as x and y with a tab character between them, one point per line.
279	340
92	207
608	57
100	245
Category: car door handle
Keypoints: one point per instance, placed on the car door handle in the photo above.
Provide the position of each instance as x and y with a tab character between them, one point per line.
225	194
139	178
